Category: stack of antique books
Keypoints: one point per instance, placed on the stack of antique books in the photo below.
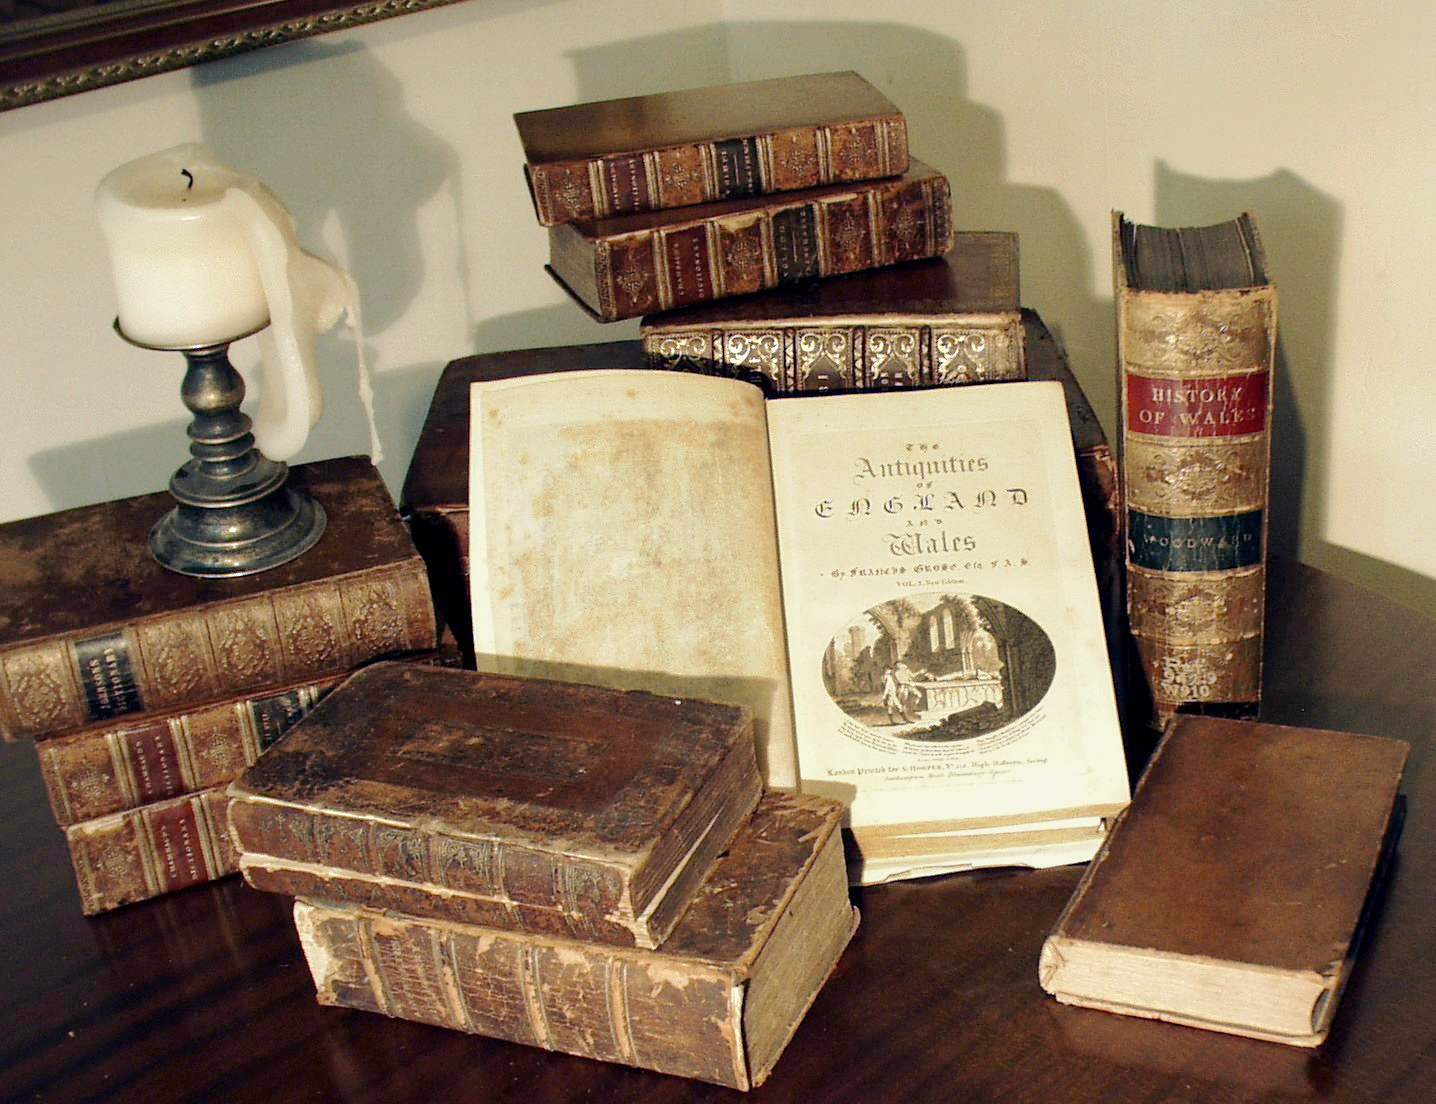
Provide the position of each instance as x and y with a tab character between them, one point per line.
148	692
586	870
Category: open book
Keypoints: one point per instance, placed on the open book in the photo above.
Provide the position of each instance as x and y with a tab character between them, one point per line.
898	586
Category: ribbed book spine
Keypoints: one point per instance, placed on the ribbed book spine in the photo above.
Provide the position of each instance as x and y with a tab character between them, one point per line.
159	848
98	772
172	661
731	168
1196	422
889	352
777	244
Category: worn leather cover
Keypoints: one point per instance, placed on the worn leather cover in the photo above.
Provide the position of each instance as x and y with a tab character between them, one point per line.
546	805
687	1008
1245	843
624	266
92	628
702	144
949	320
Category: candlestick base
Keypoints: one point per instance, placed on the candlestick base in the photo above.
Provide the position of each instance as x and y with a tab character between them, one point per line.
233	514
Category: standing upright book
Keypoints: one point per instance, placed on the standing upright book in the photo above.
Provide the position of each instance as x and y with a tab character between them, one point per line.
931	651
511	803
675	149
93	628
629	265
1196	342
950	320
1232	892
718	1001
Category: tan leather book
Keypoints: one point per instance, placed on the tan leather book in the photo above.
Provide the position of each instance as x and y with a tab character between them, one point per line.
1196	342
158	848
698	145
1230	894
513	803
92	628
717	1002
950	320
630	265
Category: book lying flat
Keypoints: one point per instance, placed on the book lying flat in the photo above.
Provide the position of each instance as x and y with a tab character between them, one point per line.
718	1001
950	320
1231	894
505	802
931	651
644	153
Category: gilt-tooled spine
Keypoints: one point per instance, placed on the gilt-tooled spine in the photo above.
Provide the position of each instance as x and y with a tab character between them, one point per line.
171	661
733	168
692	262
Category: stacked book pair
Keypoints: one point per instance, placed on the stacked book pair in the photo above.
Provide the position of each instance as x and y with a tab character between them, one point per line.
586	870
148	692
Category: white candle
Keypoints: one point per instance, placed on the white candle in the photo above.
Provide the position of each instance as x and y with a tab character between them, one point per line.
203	254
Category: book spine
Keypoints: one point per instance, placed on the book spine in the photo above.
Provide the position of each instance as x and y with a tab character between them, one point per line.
441	535
105	771
500	883
172	661
692	262
1196	394
155	849
657	1012
732	168
882	355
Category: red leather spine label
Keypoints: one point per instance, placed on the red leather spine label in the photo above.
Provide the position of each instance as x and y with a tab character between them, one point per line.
686	253
1206	406
155	762
178	848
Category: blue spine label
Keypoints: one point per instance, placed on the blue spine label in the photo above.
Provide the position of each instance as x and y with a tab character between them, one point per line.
108	676
1195	544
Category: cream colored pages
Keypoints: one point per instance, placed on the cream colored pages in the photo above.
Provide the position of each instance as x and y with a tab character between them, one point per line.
944	635
622	534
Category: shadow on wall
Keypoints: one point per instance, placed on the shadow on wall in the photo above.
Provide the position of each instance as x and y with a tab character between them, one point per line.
1301	229
925	75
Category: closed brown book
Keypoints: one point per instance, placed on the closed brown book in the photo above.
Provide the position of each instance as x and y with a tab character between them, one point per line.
155	849
1231	893
717	1002
950	320
514	803
93	628
675	149
1196	341
629	265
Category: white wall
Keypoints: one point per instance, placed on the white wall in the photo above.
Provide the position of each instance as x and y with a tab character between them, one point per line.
393	145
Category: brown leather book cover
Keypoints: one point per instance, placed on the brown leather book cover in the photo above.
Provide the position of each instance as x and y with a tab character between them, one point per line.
717	1002
629	265
92	628
1196	343
674	149
950	320
517	803
158	848
1230	893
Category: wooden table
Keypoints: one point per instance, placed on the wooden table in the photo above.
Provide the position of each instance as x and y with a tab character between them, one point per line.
204	995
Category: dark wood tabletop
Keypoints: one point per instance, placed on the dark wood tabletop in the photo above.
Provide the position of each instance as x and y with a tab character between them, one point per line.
204	995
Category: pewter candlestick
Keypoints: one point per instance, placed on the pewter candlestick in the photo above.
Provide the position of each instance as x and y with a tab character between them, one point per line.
235	516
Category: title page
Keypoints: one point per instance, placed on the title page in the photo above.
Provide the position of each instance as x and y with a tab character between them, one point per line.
945	642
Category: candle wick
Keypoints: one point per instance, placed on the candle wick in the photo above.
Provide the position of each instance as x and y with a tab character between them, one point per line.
189	176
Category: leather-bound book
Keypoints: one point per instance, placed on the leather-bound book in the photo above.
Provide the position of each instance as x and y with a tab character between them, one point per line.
158	848
1231	894
731	141
718	1001
1196	342
624	266
949	320
513	803
116	765
92	628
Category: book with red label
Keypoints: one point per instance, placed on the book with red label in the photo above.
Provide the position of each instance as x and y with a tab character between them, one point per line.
699	145
630	265
92	628
1196	341
158	848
